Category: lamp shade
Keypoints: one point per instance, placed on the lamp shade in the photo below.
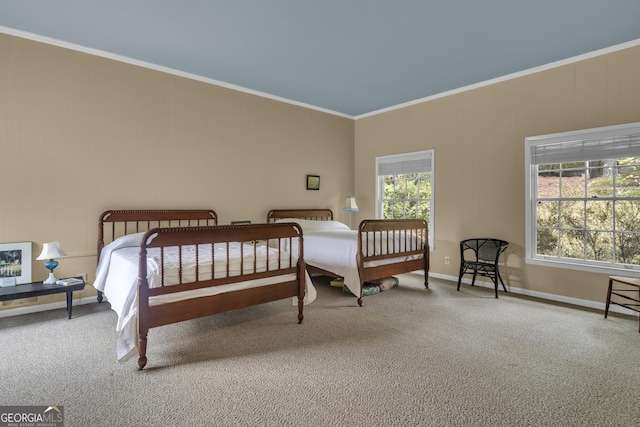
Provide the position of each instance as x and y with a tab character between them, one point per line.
51	250
350	204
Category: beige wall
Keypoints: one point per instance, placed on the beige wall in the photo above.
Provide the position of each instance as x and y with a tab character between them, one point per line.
80	134
478	138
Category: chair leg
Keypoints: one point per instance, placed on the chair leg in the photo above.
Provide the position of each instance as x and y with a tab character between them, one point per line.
500	277
473	281
606	307
460	277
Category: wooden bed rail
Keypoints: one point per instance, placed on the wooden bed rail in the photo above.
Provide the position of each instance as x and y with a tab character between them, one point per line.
197	239
381	239
125	222
314	214
224	233
134	215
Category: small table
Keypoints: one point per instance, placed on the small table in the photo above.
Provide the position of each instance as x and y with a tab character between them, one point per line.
36	289
627	293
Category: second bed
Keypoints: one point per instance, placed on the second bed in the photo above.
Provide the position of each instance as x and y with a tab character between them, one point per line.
379	248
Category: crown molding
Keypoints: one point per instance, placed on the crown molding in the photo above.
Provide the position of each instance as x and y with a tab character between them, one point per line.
574	59
156	67
167	70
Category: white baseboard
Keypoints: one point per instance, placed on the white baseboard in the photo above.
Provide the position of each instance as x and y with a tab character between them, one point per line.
17	311
541	295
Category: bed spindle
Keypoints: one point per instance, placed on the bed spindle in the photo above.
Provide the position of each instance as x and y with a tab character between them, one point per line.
162	266
255	256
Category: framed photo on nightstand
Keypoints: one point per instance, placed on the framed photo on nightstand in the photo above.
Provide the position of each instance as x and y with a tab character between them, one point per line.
15	263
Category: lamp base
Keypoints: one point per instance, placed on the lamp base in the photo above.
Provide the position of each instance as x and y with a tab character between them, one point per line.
51	280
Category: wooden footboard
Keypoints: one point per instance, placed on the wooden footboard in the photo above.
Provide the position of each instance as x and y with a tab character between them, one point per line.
395	246
197	259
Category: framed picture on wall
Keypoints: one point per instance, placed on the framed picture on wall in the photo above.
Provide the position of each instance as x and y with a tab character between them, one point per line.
313	182
15	263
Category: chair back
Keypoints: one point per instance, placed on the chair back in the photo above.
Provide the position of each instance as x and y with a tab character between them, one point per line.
485	249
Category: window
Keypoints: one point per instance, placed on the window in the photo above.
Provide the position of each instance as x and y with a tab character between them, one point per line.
405	187
583	199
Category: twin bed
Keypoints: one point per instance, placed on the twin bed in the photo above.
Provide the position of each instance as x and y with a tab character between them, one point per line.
158	267
379	248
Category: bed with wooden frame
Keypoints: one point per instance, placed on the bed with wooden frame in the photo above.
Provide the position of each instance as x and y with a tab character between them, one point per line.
158	267
377	249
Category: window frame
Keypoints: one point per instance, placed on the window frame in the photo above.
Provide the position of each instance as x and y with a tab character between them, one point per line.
570	139
428	155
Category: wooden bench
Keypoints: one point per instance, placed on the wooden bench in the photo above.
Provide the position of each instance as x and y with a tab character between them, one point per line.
36	289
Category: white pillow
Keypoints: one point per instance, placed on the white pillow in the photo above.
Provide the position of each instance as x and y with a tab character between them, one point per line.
309	225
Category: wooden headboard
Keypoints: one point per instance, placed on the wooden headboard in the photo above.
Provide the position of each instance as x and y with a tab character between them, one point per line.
314	214
123	222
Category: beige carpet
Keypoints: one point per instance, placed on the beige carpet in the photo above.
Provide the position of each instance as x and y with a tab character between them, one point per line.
409	357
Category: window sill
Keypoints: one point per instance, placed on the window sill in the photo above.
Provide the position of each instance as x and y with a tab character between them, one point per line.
602	269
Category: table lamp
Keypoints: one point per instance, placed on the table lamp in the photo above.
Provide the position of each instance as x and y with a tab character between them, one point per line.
350	206
50	251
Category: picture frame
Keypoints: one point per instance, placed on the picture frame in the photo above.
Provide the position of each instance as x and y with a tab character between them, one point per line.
15	263
313	182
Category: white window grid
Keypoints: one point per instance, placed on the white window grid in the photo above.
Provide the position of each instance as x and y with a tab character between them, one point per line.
405	167
578	149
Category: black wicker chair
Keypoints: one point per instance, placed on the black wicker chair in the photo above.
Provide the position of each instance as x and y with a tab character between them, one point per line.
482	257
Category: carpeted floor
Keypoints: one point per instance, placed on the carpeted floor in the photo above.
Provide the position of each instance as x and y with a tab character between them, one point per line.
409	357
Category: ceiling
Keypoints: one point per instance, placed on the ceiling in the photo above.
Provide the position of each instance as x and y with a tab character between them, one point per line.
347	57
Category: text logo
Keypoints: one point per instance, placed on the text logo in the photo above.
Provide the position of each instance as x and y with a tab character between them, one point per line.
31	416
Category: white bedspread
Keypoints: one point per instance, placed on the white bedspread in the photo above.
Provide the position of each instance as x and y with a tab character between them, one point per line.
334	251
116	277
332	246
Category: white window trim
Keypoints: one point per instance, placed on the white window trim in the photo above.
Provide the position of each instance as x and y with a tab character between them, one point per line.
394	158
530	206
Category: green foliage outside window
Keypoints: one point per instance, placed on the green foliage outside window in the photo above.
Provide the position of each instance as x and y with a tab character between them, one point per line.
407	196
590	210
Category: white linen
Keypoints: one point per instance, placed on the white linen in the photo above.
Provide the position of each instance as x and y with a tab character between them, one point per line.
332	246
334	251
117	273
310	225
130	240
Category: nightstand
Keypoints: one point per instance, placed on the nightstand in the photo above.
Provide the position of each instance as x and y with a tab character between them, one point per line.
36	289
